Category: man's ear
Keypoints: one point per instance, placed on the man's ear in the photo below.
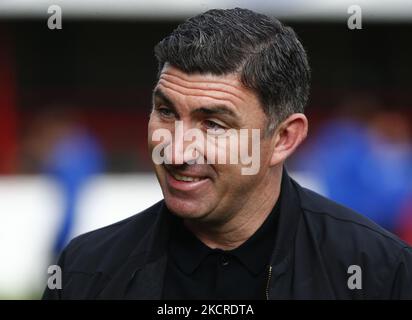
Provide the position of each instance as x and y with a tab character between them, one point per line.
288	136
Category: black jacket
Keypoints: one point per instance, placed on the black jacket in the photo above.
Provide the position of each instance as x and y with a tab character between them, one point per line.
316	243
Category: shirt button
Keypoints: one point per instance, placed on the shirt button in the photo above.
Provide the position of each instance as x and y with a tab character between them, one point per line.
224	260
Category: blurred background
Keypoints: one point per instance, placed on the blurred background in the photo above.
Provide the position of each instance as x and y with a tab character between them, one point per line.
74	104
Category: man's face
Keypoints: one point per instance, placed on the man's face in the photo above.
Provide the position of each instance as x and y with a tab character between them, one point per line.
210	104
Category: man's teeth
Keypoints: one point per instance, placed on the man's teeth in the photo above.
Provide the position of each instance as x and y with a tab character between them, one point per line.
185	178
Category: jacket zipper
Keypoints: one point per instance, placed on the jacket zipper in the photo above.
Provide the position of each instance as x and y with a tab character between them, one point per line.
268	283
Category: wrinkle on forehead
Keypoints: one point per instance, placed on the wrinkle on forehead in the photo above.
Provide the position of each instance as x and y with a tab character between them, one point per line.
211	94
227	84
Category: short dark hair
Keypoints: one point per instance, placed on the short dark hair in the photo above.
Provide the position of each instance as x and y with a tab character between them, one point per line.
267	55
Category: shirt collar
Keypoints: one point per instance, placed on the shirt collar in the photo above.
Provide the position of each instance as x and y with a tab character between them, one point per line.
188	251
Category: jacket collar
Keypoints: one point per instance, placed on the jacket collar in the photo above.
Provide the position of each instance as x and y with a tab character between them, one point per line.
289	215
280	277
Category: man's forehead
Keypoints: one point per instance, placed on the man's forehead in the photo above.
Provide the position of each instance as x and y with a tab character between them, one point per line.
216	85
229	79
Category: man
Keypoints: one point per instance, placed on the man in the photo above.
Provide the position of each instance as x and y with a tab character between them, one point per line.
222	232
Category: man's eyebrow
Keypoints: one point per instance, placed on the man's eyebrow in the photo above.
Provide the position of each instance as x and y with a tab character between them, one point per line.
159	94
216	109
206	110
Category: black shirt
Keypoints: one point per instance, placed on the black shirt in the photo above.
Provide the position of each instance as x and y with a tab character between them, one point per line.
195	271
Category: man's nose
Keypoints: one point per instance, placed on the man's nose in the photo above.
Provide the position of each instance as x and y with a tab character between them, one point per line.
186	145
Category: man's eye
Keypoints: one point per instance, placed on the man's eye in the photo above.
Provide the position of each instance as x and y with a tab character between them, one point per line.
165	112
212	125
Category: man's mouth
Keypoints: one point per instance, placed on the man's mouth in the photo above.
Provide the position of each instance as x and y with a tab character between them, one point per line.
187	182
179	177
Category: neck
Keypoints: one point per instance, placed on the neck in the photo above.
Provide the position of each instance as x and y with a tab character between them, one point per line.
244	223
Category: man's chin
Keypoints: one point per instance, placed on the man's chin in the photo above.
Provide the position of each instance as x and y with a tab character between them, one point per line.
184	208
